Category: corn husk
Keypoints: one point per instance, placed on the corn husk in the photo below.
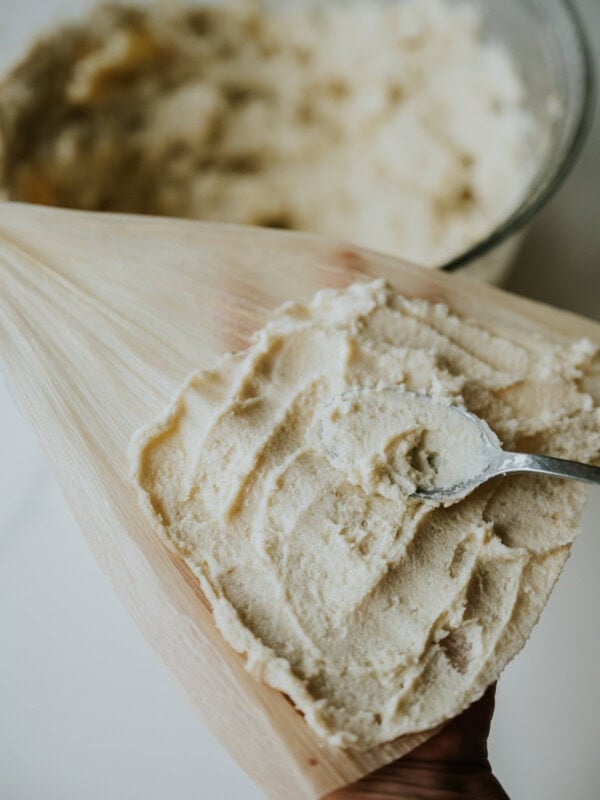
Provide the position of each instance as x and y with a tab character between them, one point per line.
101	318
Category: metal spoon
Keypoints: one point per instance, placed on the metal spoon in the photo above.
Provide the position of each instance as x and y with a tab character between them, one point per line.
503	463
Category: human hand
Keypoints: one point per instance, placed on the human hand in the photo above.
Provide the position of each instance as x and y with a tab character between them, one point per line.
452	765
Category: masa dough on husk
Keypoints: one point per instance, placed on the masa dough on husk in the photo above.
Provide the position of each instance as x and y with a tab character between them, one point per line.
377	614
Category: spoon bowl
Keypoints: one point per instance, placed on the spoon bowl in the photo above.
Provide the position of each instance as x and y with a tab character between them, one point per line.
500	463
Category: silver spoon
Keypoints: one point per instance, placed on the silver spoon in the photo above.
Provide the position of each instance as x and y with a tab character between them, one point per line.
502	463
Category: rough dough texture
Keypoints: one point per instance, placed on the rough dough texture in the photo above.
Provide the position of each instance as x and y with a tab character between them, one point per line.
392	126
377	614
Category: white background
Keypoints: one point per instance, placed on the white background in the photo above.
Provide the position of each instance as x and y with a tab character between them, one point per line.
87	712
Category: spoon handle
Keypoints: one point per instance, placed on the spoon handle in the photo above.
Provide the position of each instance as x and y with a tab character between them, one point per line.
547	465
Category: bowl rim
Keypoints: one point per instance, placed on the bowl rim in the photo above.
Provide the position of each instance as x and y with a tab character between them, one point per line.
526	211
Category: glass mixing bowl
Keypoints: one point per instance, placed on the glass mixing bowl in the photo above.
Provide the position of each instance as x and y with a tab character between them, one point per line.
549	45
547	40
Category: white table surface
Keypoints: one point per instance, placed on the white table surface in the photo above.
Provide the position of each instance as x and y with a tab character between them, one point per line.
88	712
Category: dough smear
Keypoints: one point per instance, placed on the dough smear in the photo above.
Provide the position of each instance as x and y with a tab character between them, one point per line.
283	477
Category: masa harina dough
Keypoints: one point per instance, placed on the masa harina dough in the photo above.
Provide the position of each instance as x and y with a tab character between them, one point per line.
396	126
377	614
